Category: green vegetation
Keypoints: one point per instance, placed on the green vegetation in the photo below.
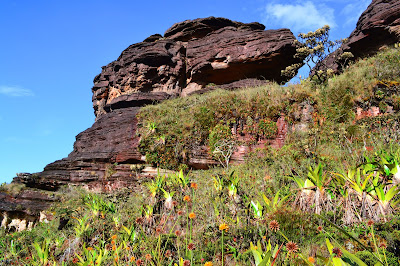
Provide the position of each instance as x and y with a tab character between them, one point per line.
329	196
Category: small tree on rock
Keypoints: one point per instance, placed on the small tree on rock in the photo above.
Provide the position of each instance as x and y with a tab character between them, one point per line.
313	48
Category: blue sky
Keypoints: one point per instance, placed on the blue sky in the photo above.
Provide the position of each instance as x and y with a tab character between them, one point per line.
50	51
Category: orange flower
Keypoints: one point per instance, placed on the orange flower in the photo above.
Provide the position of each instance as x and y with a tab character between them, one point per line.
114	247
132	259
224	227
274	225
311	260
208	263
193	185
191	246
292	247
148	257
128	248
90	248
112	242
186	198
383	245
192	215
338	253
114	237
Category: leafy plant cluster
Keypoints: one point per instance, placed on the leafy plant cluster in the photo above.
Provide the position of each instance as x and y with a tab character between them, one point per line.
186	124
238	217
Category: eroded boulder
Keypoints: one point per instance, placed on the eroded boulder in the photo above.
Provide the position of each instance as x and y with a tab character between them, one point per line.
378	26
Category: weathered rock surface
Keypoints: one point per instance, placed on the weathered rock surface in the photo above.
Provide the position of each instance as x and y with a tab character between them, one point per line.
22	209
231	54
198	28
146	68
191	55
378	25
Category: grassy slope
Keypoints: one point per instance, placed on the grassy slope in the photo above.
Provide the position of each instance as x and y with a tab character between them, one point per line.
132	224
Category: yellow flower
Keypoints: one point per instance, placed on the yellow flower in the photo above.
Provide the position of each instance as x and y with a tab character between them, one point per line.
208	263
192	215
223	227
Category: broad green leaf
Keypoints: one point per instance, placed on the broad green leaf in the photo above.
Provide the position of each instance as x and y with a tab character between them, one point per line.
329	246
266	260
353	257
308	183
256	254
393	191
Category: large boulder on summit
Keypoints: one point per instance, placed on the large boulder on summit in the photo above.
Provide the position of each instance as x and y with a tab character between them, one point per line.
191	55
378	25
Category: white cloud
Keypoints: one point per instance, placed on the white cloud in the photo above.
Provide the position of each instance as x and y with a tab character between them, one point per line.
353	11
15	91
299	17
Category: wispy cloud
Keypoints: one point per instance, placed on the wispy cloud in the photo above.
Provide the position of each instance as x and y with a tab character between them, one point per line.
299	17
15	140
15	91
352	11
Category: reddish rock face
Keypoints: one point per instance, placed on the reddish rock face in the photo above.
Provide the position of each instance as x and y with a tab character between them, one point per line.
377	26
198	28
191	55
25	205
147	69
231	54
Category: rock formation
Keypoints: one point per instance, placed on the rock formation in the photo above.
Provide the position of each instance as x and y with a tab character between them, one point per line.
20	210
378	26
191	55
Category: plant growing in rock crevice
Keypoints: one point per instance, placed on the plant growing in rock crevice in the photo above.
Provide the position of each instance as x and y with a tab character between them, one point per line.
313	48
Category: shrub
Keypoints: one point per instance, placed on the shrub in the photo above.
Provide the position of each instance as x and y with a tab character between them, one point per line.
267	128
313	47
